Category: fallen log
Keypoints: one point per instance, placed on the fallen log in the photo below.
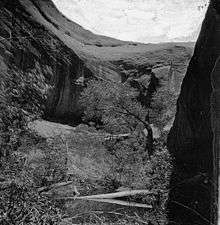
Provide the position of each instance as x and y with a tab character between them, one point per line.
124	203
107	136
4	185
112	195
117	136
52	186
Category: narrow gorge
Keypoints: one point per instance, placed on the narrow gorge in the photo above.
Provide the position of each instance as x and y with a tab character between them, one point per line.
61	59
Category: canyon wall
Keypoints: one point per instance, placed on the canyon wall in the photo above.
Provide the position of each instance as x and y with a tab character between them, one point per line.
194	180
28	46
36	38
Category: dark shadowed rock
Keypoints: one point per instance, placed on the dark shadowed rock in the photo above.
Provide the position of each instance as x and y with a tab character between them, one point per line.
192	198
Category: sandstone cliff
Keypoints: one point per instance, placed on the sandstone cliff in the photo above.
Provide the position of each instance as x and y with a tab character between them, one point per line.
36	37
192	198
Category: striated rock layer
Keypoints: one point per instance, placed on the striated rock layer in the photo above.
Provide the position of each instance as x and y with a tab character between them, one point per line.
194	181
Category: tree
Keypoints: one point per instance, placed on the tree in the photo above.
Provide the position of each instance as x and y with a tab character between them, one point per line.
115	106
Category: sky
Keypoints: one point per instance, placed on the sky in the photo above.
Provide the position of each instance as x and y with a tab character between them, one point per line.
138	20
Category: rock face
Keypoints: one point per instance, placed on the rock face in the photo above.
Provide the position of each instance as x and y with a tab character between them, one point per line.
194	181
36	37
28	46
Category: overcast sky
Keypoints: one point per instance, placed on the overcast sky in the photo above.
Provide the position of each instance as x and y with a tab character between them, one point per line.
138	20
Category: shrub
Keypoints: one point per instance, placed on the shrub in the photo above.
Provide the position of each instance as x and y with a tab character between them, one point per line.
109	103
22	97
46	161
20	202
116	107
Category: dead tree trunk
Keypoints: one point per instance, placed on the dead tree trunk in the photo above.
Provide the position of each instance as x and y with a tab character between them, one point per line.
150	139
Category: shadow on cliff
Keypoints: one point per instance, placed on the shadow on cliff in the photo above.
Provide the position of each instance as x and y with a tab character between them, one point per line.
193	186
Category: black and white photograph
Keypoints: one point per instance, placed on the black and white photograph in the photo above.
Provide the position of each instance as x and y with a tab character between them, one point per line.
109	112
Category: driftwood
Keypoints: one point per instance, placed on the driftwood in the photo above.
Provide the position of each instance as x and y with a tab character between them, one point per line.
107	136
124	203
117	136
5	184
52	186
112	195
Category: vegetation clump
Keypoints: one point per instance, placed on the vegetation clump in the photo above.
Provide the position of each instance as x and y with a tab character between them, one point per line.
142	162
22	96
134	159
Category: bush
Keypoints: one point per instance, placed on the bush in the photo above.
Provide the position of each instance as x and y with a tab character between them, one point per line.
112	104
22	97
46	161
116	106
20	202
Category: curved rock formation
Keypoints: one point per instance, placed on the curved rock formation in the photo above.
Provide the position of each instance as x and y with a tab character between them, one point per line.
27	45
36	37
194	183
